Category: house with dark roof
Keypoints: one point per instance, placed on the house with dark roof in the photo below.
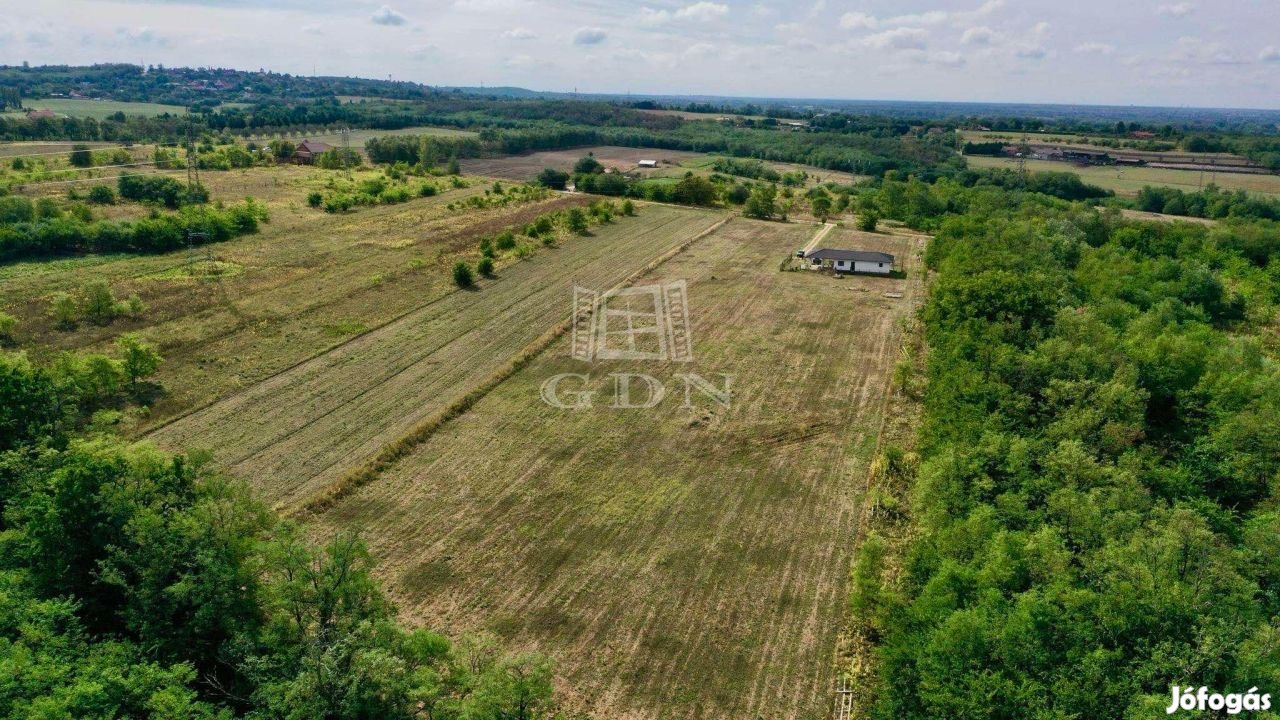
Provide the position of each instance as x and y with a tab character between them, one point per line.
851	261
307	150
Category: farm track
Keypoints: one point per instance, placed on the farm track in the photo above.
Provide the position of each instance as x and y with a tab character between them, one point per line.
675	563
302	429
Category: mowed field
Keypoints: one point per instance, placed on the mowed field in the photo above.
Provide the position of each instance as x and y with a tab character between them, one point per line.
96	109
526	167
675	562
1129	180
309	281
302	430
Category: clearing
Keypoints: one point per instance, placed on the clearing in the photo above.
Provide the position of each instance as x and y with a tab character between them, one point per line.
676	563
527	166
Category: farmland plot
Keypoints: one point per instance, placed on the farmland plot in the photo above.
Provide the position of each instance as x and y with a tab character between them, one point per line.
301	430
676	563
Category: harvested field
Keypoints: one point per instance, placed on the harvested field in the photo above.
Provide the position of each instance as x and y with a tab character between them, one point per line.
304	429
1129	180
304	284
526	167
676	563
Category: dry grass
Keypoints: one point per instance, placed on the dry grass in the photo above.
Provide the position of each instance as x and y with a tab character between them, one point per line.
676	563
527	166
304	429
1129	180
302	285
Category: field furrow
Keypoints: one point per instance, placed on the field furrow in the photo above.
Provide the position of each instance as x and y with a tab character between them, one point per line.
677	562
302	429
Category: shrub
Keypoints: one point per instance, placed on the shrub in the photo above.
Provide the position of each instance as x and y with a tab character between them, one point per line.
99	305
138	360
64	310
628	207
427	190
314	199
576	221
81	156
102	195
462	276
8	324
485	266
505	240
867	221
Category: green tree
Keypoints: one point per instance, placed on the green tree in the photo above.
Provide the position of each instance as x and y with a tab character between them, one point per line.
81	156
763	202
867	220
552	178
99	305
821	207
628	207
462	276
138	359
485	266
576	221
454	168
588	165
694	190
65	310
102	195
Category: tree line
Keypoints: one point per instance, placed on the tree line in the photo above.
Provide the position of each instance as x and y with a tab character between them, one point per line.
1095	493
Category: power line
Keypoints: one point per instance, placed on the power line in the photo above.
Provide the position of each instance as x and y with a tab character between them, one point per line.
105	147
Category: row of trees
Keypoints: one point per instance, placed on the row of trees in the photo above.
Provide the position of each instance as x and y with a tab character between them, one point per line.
1212	202
1095	499
190	225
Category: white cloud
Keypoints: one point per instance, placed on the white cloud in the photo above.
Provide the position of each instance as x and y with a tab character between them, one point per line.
140	36
697	12
788	28
519	33
932	17
818	8
1031	52
1176	10
1270	53
589	36
703	11
898	39
387	16
1095	48
949	59
980	35
312	29
858	21
1040	28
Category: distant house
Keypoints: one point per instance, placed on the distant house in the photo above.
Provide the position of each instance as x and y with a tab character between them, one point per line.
648	163
859	261
307	150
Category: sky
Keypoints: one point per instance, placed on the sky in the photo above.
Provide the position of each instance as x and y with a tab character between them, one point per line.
1209	53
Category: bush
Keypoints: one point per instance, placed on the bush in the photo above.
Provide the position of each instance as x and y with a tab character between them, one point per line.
628	207
81	156
427	190
102	195
552	178
8	324
867	221
576	221
99	305
505	240
314	199
462	276
64	310
485	266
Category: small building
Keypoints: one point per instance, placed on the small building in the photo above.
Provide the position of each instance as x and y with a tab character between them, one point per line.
852	261
307	150
648	163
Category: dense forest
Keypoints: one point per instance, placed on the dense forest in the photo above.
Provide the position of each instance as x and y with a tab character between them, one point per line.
137	584
1095	493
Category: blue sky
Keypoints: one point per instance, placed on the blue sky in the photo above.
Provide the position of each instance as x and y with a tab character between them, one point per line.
1142	52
